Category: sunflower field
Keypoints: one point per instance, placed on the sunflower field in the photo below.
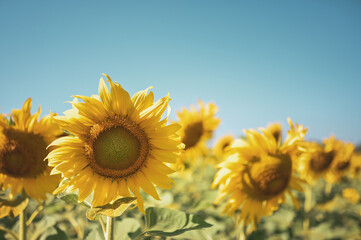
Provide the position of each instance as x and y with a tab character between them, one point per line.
114	166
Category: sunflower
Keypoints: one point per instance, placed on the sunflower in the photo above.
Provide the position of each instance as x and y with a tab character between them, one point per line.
276	130
355	168
258	174
315	161
221	146
23	147
331	160
341	163
197	128
119	143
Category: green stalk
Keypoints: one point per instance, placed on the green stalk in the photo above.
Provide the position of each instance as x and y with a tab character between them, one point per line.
103	225
22	229
109	233
307	209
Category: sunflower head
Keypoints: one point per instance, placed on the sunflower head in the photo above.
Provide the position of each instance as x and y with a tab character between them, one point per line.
23	147
276	130
330	160
355	168
220	148
118	143
314	161
342	162
197	128
259	173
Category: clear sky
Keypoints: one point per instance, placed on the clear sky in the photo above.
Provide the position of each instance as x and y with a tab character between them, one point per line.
259	61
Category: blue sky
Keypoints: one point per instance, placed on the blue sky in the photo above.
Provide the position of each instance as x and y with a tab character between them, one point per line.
259	61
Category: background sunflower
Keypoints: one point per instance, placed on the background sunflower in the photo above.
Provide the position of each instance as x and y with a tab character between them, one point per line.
197	128
258	174
23	147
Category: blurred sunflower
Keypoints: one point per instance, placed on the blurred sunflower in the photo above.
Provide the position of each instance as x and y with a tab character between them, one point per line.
355	168
119	143
259	173
316	160
330	160
276	130
219	149
341	163
23	148
197	128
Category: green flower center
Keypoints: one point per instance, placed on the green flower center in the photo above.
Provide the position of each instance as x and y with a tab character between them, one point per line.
116	148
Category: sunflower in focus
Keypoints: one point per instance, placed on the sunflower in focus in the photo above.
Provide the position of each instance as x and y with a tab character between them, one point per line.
197	129
119	143
23	148
221	146
258	174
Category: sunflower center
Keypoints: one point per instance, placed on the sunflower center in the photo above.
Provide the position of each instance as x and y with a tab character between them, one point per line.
271	176
342	165
14	163
22	154
323	161
272	182
117	147
225	145
192	134
277	135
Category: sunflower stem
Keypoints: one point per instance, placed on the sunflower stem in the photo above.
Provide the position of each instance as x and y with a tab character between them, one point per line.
34	214
10	232
307	209
103	225
109	233
22	229
243	230
328	188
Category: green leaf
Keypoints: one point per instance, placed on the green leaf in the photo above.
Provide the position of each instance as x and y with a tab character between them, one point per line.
166	222
112	210
125	228
71	198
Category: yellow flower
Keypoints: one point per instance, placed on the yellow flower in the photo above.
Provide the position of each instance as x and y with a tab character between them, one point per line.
197	128
276	130
330	160
119	143
23	147
355	168
258	174
342	162
221	146
351	195
316	161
